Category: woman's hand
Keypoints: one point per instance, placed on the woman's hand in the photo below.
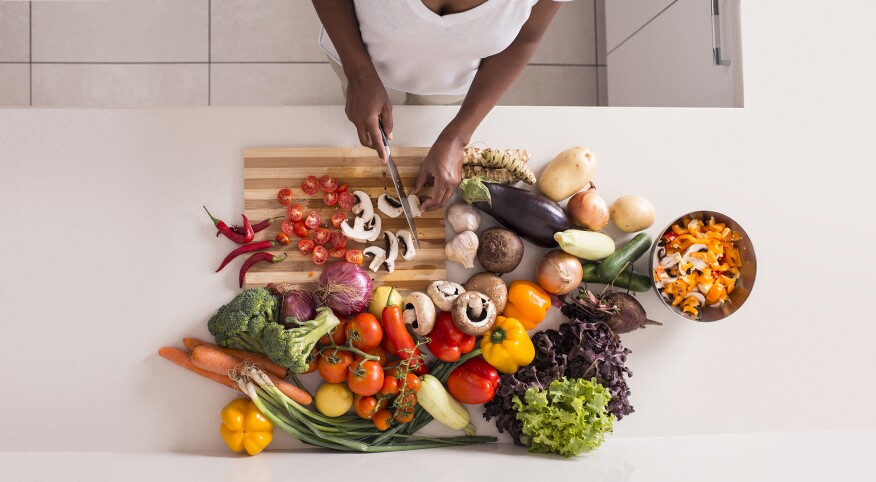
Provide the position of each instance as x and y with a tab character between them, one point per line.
367	104
443	164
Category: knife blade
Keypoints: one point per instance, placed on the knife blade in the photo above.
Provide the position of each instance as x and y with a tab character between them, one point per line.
399	187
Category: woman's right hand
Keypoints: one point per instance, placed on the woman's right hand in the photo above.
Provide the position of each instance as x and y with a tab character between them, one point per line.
368	103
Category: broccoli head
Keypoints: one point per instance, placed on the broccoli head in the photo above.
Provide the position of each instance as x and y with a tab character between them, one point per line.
242	321
291	347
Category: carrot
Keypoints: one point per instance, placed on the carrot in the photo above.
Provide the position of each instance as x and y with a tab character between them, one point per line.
217	361
242	355
182	359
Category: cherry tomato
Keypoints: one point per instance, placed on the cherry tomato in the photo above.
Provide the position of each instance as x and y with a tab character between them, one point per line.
333	366
328	184
285	196
365	378
337	252
310	185
405	415
283	239
330	198
300	229
390	386
346	200
412	382
305	247
365	407
338	240
314	362
379	352
288	227
342	188
408	399
295	212
354	256
364	331
313	220
321	236
337	219
381	419
338	335
319	255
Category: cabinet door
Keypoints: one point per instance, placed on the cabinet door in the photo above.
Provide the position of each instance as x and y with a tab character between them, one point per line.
671	61
624	17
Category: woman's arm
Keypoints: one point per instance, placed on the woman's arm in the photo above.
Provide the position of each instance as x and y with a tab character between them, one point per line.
494	77
367	100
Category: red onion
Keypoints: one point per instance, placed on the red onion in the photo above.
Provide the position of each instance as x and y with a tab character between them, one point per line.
345	288
295	301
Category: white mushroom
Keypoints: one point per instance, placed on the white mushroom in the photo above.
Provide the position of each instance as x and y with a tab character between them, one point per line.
406	244
374	227
389	205
361	231
390	243
379	257
419	312
474	313
414	201
443	293
363	207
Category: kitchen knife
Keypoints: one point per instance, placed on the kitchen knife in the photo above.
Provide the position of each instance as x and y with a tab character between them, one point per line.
399	188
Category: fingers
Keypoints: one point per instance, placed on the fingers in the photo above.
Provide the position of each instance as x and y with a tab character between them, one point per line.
422	178
377	140
437	200
364	138
386	117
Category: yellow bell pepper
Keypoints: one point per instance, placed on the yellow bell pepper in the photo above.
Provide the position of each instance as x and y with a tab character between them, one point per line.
507	345
244	427
527	302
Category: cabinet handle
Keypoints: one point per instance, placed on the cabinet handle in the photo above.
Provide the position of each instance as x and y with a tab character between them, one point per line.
717	52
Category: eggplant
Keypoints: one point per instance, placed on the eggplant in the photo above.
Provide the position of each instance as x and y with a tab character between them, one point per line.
529	214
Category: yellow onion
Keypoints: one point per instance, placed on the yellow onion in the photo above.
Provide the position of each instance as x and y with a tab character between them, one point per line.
559	272
589	210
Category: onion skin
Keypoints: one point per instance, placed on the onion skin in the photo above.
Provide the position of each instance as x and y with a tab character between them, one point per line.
297	303
345	288
559	273
589	210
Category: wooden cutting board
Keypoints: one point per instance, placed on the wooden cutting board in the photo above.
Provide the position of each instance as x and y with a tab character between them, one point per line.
266	171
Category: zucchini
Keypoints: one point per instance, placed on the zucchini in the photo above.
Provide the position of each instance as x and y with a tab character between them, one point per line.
588	245
627	280
436	400
624	257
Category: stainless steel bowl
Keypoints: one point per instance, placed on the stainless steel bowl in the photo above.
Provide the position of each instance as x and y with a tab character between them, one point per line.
744	284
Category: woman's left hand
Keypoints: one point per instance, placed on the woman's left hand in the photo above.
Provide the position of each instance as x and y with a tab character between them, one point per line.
443	164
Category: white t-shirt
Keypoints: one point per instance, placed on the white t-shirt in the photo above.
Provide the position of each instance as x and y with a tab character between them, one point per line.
416	50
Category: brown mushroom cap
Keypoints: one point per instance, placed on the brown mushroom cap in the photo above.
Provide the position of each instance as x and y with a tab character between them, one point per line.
492	286
419	312
473	313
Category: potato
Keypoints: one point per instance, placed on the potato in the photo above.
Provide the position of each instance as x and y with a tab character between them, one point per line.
570	171
632	213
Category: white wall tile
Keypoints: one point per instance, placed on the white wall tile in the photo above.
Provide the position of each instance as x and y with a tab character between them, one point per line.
265	31
121	31
275	84
14	85
14	31
571	37
119	85
551	85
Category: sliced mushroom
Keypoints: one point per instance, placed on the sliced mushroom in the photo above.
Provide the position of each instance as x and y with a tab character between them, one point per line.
406	244
443	293
473	313
389	205
379	257
390	243
363	207
374	227
414	201
419	312
359	232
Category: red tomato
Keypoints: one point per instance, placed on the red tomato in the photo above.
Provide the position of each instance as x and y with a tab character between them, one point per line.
381	419
379	352
300	229
412	382
313	220
366	407
390	385
319	256
338	335
364	331
346	200
337	219
405	415
288	227
285	196
328	184
330	198
295	212
338	240
342	188
283	239
333	365
305	247
321	236
337	252
354	256
310	185
365	378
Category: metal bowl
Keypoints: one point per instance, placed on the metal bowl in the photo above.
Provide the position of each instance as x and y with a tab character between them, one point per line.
744	284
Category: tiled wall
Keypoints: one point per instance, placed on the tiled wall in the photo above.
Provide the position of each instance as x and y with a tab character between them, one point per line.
127	53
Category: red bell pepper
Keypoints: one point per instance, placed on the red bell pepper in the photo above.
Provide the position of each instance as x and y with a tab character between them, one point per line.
446	341
474	382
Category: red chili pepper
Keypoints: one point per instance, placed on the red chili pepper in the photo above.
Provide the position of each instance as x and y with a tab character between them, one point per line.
247	248
257	258
255	227
237	238
396	331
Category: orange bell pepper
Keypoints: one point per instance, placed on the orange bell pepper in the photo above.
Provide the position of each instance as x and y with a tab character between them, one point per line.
527	303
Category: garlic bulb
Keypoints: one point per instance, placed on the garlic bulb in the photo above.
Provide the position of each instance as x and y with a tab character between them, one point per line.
463	217
463	248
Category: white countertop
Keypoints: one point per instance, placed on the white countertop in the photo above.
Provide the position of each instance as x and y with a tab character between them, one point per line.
106	254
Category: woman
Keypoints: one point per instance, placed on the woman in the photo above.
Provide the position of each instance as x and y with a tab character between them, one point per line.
438	52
